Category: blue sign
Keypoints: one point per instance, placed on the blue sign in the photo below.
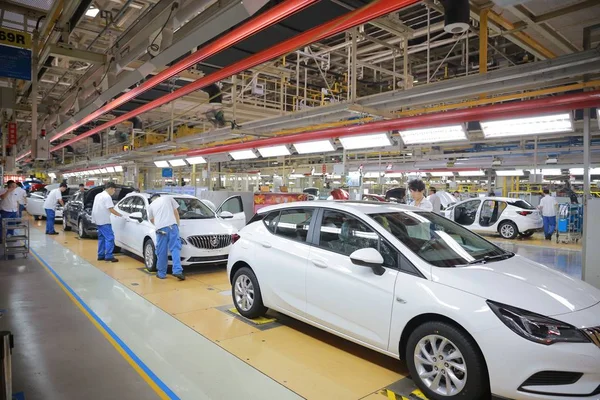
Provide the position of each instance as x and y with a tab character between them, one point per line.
16	63
167	172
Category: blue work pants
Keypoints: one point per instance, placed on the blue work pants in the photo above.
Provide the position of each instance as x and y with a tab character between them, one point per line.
167	241
106	242
549	225
50	218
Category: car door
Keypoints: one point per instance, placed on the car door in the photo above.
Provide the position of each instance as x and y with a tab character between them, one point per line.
350	299
75	209
235	206
466	213
283	254
119	224
135	230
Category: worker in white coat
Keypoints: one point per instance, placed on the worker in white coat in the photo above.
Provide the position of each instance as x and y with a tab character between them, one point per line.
548	208
164	214
52	200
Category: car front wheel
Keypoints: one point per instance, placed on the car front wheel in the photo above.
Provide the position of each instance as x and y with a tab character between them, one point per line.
246	294
508	230
149	256
81	229
66	226
445	363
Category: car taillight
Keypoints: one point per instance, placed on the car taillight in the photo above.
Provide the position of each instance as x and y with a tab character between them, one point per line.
234	238
524	213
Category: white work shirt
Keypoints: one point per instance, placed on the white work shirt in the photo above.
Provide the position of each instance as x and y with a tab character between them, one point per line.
162	210
52	199
22	198
11	202
101	208
548	206
425	204
436	203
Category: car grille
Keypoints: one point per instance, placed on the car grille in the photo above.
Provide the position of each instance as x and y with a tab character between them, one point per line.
215	259
552	378
210	241
593	334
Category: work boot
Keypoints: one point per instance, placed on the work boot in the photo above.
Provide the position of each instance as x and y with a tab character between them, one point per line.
181	277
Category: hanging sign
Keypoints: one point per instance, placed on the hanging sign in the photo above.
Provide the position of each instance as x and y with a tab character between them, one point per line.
12	134
15	38
15	53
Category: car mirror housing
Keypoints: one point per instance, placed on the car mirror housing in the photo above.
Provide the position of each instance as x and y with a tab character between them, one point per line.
225	215
370	258
136	216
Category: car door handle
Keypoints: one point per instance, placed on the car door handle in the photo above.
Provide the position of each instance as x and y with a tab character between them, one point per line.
319	263
266	245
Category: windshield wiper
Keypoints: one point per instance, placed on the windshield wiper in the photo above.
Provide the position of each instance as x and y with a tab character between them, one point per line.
486	259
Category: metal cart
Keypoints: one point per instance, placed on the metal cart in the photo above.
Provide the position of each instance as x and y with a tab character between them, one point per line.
569	224
6	346
18	242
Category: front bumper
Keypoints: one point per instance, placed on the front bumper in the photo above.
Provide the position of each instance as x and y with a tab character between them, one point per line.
191	255
512	360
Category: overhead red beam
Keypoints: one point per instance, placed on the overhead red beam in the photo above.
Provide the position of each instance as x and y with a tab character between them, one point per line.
494	111
373	10
263	21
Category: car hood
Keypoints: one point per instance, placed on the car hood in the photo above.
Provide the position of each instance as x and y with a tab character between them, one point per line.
209	226
522	283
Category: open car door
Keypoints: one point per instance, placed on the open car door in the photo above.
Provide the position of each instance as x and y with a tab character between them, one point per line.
235	206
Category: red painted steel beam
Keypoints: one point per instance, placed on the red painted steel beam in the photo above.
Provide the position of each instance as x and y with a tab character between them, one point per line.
263	21
374	10
490	112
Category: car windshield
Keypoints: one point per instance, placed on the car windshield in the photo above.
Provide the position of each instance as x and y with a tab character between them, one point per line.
438	240
190	208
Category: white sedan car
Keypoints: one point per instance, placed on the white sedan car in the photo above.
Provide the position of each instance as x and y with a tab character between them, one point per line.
206	238
35	201
504	215
469	318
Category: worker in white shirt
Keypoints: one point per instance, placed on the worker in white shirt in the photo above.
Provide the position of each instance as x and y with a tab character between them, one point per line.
417	192
435	200
548	208
22	198
101	210
52	200
164	215
9	204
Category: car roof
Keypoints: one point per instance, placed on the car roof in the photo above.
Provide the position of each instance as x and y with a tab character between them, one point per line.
366	207
507	199
149	195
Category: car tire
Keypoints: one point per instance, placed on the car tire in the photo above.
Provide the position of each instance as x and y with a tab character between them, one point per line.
246	294
527	234
508	230
65	224
468	366
81	229
149	256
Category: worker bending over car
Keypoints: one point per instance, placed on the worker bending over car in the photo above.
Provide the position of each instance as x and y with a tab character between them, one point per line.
164	215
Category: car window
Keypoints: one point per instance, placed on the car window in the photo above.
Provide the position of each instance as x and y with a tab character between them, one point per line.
466	212
294	224
125	205
344	234
138	205
192	208
522	204
436	239
271	220
233	205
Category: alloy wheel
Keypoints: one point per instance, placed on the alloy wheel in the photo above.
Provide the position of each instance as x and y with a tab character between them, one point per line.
440	365
507	230
149	255
64	223
244	292
80	229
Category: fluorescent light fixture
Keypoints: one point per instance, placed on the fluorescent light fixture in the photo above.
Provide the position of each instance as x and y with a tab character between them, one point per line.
471	173
510	172
110	169
196	160
316	146
177	162
528	126
394	175
545	171
274	151
373	174
118	168
440	174
450	133
103	171
243	155
161	164
92	12
97	171
579	171
366	141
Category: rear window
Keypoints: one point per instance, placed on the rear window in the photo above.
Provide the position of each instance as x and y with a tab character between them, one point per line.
523	204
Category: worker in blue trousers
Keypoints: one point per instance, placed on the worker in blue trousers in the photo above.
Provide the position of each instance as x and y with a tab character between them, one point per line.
164	214
548	209
9	205
53	198
101	210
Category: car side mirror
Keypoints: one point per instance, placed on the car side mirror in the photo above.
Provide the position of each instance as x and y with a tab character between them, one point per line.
225	215
369	258
136	216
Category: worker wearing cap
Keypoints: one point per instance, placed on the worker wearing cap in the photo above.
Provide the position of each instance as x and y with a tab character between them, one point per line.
52	200
164	215
101	210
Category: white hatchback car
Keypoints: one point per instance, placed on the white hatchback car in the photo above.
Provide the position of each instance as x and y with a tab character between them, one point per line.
469	318
206	237
504	215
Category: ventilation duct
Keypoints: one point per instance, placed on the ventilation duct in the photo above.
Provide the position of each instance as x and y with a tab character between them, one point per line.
457	16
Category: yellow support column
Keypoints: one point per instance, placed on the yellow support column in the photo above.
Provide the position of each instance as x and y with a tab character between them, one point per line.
483	42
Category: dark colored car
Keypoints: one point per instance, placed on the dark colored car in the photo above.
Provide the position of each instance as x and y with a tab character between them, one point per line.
77	212
396	195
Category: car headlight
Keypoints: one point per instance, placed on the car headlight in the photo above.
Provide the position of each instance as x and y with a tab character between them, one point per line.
535	327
